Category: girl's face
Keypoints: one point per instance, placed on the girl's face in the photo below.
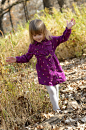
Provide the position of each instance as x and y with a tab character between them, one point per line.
38	37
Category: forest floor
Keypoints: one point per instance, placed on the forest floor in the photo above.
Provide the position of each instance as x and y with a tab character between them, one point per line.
72	100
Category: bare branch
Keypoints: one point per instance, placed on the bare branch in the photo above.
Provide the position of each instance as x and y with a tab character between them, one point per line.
9	7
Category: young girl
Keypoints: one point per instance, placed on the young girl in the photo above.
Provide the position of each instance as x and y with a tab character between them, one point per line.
43	46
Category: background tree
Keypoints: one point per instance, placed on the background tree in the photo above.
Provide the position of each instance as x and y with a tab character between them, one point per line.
60	3
47	3
25	10
50	3
7	9
13	12
10	14
1	16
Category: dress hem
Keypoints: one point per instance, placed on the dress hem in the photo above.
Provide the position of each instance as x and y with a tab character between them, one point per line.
52	84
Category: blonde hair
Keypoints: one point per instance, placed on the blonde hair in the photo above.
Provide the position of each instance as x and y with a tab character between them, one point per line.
37	26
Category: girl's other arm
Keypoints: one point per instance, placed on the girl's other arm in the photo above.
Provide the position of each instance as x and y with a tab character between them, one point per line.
11	59
21	59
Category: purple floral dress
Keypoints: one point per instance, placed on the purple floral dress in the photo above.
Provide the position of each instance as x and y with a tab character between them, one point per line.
48	68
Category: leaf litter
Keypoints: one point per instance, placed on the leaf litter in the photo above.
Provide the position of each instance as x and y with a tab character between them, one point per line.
72	101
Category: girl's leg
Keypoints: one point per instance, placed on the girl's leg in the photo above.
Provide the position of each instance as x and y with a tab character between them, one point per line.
57	91
53	96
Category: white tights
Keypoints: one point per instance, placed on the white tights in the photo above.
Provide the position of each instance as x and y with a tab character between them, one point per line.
54	96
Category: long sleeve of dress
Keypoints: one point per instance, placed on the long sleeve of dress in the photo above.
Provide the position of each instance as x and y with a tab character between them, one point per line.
25	58
60	39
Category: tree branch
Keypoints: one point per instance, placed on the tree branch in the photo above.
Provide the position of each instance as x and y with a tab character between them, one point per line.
9	7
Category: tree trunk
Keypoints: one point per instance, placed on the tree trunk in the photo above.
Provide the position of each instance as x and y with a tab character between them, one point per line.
1	18
10	16
47	3
50	3
61	3
25	10
1	25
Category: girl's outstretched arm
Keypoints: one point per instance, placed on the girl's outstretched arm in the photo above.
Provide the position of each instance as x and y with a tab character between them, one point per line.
60	39
71	23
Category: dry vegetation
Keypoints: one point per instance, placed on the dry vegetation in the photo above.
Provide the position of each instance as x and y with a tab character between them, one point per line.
23	101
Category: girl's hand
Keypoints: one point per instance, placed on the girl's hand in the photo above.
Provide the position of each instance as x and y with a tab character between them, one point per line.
11	59
71	23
